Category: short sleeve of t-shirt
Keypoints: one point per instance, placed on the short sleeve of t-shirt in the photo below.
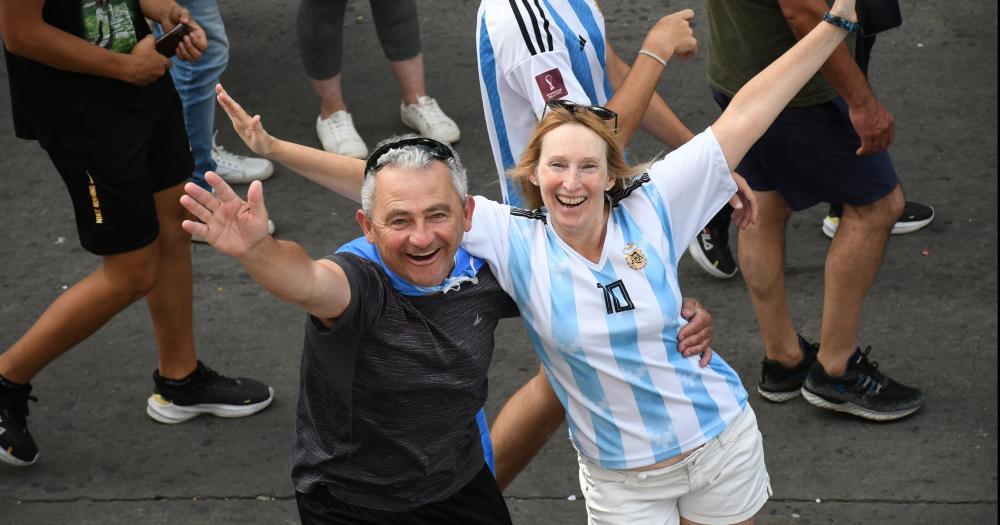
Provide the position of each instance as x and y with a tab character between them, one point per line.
695	182
533	62
367	286
490	236
546	77
77	110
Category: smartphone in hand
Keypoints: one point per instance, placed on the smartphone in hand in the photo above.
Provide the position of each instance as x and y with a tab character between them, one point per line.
166	45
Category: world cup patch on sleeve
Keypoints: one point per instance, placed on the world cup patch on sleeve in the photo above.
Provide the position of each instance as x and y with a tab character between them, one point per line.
551	84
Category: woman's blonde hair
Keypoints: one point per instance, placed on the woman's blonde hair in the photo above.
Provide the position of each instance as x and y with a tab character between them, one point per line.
554	117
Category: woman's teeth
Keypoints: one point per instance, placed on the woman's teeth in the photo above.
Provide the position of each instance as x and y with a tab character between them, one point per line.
571	201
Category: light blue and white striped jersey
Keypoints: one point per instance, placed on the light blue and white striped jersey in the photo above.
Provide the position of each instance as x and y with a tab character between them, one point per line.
531	52
606	332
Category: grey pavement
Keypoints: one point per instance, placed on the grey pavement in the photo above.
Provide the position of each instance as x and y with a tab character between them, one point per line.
931	316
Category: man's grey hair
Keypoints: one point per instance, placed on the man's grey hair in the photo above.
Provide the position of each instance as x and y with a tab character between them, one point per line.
413	158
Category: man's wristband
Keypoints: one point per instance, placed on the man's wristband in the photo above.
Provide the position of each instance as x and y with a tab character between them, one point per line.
846	25
654	56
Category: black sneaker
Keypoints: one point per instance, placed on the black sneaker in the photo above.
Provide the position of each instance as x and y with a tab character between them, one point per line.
863	391
206	391
914	217
780	384
16	444
711	251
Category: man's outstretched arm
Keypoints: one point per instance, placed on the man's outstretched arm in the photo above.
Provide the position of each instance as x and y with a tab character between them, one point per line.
239	228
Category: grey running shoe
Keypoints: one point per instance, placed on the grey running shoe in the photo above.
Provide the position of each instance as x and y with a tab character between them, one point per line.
780	384
863	391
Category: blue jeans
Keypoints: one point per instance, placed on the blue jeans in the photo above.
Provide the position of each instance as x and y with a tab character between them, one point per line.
195	83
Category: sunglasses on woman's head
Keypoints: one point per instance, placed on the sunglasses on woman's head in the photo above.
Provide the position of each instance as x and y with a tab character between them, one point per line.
437	150
600	112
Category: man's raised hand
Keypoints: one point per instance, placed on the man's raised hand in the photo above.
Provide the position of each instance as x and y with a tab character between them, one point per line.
230	224
672	36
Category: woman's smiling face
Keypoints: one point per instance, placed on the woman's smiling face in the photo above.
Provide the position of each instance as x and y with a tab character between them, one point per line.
572	176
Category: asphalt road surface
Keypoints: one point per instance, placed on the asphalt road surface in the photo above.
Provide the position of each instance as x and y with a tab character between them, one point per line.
931	317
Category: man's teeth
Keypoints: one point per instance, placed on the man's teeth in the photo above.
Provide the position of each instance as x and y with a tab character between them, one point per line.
423	254
571	201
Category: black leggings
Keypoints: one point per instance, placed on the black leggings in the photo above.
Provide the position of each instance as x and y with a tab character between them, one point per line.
321	33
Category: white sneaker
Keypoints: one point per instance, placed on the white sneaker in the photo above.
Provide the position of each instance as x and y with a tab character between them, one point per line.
427	118
237	169
338	135
199	238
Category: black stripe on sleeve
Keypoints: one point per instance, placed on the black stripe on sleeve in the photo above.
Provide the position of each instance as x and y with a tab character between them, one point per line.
619	194
537	215
534	25
545	20
524	30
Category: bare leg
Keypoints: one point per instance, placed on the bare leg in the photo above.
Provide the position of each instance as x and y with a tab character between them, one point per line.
119	281
331	96
410	74
170	301
762	259
851	264
523	426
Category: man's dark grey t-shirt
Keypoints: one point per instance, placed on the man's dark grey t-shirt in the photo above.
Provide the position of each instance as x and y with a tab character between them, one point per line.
388	395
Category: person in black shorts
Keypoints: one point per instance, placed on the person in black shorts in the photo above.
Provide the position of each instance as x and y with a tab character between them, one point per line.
90	87
828	145
711	248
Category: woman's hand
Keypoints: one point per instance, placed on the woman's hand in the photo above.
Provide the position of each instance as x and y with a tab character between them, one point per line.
696	336
248	128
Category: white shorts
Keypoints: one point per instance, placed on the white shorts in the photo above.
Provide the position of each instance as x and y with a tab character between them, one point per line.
723	482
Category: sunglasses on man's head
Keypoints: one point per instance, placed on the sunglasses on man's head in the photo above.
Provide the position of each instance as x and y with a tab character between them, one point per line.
600	112
437	150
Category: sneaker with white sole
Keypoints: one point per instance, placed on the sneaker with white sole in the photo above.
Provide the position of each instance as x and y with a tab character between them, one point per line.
239	169
710	249
426	117
914	217
337	134
17	447
863	391
779	383
206	391
199	238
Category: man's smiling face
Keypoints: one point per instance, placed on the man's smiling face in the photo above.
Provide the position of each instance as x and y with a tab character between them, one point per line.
417	222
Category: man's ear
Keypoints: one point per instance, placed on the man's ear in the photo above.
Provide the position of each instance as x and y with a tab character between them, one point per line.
470	206
366	225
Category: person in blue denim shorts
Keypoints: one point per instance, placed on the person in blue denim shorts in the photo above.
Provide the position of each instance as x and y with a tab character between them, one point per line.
195	83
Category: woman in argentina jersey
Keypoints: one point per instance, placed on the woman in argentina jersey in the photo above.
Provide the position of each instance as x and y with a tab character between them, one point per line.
593	270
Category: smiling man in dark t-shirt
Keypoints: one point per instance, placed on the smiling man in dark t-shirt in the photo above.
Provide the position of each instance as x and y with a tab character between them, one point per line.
391	380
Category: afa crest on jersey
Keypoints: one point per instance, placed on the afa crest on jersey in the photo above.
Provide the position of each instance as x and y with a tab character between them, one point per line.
634	257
